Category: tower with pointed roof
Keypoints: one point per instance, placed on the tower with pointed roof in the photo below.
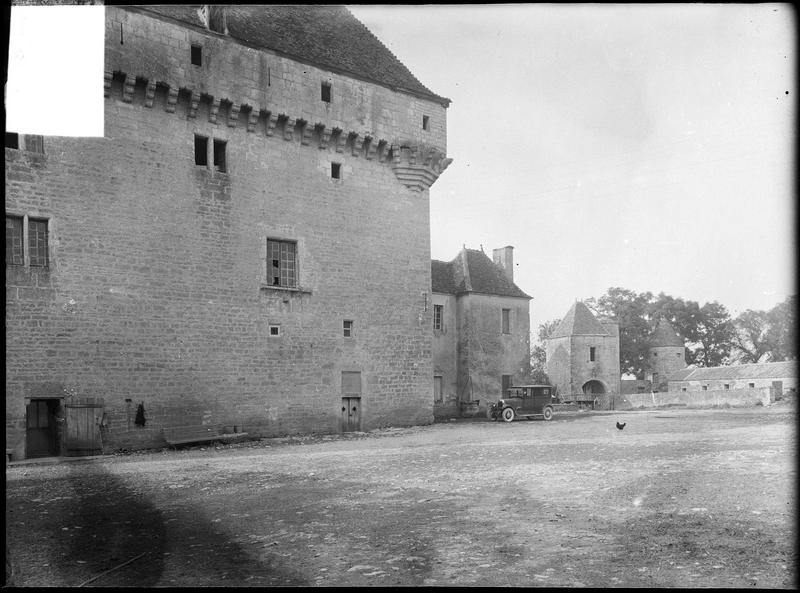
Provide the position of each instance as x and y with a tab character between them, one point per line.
583	355
481	342
666	355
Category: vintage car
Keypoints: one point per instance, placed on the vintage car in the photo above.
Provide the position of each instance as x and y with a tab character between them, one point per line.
525	401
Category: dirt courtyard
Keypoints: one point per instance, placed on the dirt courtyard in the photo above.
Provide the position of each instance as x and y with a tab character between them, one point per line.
679	498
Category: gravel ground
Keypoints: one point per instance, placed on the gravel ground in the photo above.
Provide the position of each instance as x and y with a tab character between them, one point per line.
679	498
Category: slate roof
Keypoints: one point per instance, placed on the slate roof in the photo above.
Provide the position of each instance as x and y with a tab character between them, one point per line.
579	321
761	370
665	335
472	271
323	35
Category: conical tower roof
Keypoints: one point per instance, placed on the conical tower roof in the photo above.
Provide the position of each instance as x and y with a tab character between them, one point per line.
665	335
579	321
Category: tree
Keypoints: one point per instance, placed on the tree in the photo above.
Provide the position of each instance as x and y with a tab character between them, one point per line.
715	333
539	353
766	336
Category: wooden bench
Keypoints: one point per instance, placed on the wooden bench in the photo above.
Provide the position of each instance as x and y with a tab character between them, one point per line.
183	435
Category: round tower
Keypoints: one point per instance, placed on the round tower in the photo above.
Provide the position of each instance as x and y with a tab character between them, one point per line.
666	355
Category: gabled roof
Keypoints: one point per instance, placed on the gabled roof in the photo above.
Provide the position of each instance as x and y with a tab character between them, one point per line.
579	321
325	35
761	370
665	335
472	271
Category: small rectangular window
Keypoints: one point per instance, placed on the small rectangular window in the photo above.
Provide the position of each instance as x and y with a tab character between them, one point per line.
655	354
219	155
705	387
683	388
274	330
437	388
347	328
37	242
12	140
438	311
326	92
506	321
200	150
14	254
678	354
282	263
591	353
336	171
751	385
425	122
197	55
727	386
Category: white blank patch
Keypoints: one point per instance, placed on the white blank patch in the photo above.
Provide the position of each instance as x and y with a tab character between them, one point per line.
55	70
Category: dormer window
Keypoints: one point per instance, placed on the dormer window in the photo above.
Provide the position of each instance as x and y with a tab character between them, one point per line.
215	18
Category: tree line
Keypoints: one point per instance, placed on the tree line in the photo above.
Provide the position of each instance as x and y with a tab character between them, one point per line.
711	336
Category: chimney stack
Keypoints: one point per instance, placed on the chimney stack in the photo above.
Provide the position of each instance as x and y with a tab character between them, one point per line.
504	257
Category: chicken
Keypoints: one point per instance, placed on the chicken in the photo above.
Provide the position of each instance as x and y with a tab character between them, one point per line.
620	426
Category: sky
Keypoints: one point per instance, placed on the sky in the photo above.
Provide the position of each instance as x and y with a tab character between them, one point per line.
648	147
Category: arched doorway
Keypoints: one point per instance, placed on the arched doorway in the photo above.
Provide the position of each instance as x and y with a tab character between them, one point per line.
592	389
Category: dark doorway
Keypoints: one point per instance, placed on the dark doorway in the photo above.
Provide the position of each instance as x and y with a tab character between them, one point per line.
41	433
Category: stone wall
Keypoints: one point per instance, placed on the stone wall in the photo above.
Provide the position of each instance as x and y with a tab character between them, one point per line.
445	359
694	399
485	353
156	288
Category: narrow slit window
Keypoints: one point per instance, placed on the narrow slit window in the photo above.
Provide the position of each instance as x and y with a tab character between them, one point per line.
200	150
592	353
121	37
336	171
14	253
219	155
12	140
506	316
37	242
197	55
426	122
326	92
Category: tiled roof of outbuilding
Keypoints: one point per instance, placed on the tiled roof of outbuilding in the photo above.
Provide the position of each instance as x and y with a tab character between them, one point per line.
579	321
761	370
324	35
665	335
472	271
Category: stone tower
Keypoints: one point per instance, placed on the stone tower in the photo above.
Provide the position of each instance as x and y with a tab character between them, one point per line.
666	355
583	354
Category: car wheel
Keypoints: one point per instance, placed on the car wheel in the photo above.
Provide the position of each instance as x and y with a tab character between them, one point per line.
548	413
508	415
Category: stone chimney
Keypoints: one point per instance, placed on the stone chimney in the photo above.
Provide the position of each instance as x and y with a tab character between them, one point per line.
504	257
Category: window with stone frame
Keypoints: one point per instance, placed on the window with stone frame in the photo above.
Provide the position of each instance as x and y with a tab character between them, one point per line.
438	314
282	263
14	237
36	251
506	316
38	242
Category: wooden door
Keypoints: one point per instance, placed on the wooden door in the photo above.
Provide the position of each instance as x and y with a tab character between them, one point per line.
83	428
351	401
40	428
